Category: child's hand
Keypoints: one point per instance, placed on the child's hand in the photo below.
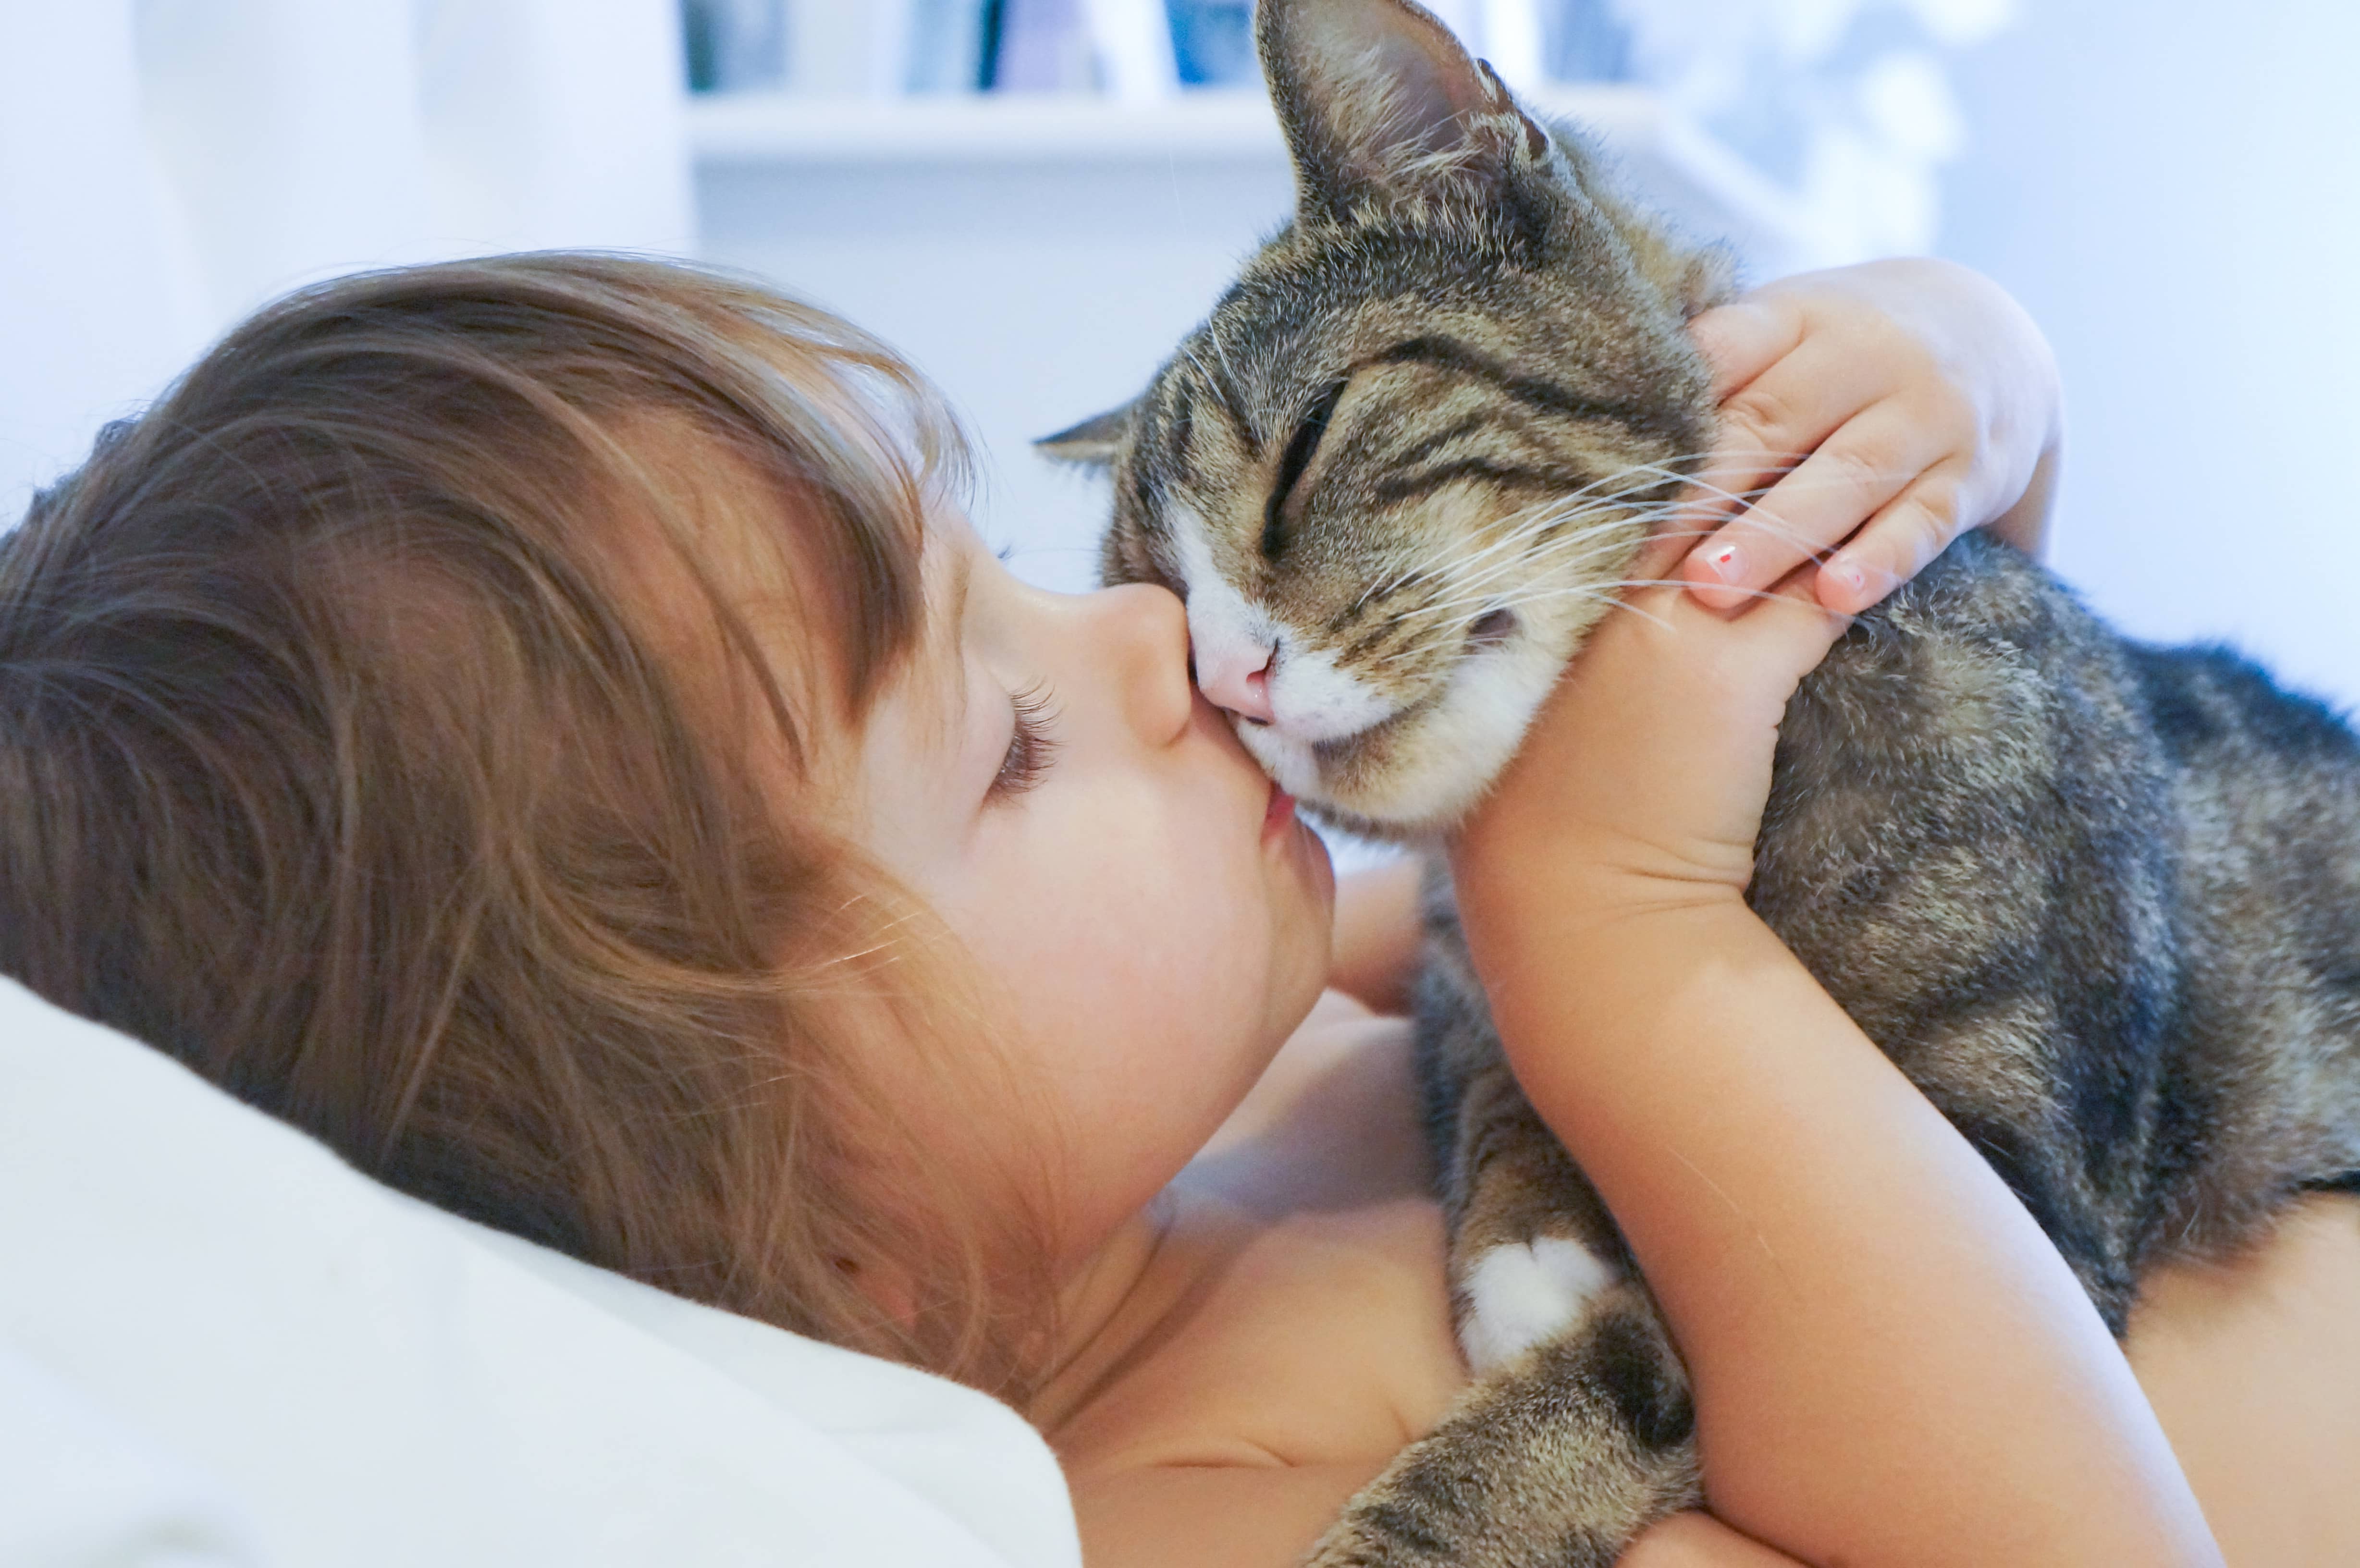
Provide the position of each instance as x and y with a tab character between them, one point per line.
1641	780
1902	401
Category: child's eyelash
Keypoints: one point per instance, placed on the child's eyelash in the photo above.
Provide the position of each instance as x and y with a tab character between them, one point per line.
1032	747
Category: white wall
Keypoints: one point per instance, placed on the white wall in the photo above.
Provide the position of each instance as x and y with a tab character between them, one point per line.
166	166
93	314
2173	187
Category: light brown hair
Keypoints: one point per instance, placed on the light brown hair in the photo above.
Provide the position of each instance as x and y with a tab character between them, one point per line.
351	752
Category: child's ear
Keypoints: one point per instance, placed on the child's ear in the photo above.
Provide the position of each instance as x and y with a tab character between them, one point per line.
1091	444
1382	107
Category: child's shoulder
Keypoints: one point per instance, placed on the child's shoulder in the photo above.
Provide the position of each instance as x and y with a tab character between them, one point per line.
1315	1338
1333	1124
1305	1319
1296	1355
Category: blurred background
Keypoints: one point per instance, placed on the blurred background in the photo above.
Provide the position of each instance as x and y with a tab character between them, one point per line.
1033	198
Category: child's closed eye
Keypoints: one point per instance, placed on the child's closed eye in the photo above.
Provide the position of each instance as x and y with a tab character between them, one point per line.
1030	747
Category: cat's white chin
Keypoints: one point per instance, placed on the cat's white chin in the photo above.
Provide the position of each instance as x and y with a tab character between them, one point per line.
1286	759
1428	771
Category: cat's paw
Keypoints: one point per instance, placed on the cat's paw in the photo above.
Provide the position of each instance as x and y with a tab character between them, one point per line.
1522	1294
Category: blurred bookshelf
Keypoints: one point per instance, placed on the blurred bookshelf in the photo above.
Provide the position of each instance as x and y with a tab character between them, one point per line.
1706	187
1798	151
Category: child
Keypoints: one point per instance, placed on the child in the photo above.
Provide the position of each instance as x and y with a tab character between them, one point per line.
539	725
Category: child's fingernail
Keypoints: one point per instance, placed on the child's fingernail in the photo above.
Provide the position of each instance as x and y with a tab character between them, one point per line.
1847	574
1726	562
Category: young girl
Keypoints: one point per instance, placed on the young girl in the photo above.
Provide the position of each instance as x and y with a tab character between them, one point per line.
540	725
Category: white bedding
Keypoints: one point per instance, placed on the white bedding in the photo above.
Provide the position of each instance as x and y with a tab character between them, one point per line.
220	1345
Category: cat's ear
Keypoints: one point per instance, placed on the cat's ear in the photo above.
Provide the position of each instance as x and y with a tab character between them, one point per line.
1091	444
1381	106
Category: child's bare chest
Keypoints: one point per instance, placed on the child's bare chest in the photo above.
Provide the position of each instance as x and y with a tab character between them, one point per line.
1321	1338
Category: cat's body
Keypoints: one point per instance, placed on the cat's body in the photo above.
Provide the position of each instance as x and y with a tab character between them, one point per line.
2100	902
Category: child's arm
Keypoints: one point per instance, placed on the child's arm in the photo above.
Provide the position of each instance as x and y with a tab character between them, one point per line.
1249	1517
1378	937
1926	401
1891	1363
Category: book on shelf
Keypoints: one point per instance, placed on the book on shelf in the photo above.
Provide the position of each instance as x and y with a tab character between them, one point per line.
1128	50
1122	49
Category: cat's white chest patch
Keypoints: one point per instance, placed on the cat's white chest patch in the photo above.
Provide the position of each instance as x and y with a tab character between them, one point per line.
1523	1293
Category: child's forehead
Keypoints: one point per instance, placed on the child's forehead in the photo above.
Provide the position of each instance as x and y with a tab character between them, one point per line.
923	739
932	687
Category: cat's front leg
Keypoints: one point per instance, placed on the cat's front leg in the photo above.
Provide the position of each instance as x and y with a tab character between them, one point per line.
1532	1245
1531	1241
1578	1433
1556	1460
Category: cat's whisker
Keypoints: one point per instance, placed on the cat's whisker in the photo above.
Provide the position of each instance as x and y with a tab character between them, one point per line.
1619	525
1534	524
1675	467
1545	595
1545	515
1557	555
1593	494
1552	515
1462	612
1771	523
1719	493
1615	602
1624	530
1607	592
1724	499
1221	352
1602	592
1477	591
1473	570
1616	485
1190	355
1482	588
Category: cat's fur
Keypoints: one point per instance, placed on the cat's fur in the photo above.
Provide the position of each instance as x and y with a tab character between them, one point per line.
2101	902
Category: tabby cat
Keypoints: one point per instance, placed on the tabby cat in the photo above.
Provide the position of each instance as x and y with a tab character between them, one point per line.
2101	902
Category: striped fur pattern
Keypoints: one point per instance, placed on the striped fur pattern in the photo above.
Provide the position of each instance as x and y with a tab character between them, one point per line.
2101	902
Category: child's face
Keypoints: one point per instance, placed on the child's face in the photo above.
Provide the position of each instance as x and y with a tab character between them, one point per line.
1049	779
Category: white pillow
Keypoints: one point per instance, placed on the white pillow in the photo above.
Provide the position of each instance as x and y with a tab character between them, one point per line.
220	1345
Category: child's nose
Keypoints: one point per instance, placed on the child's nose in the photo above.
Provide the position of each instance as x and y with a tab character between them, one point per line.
1152	629
1237	676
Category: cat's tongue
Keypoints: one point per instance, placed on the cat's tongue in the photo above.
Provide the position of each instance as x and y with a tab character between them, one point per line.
1281	811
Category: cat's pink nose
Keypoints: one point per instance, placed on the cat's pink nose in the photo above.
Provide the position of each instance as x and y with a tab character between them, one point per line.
1239	679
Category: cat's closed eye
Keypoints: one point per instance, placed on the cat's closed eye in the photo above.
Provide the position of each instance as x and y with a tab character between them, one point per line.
1300	449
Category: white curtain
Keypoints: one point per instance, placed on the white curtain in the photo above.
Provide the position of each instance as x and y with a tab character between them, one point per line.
166	166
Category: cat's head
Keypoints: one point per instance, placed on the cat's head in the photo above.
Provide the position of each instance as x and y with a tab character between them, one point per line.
1397	470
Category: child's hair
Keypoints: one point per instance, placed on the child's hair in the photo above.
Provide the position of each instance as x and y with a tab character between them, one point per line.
393	722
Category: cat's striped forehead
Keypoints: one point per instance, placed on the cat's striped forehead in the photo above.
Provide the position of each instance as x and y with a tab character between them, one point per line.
1401	482
1326	426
